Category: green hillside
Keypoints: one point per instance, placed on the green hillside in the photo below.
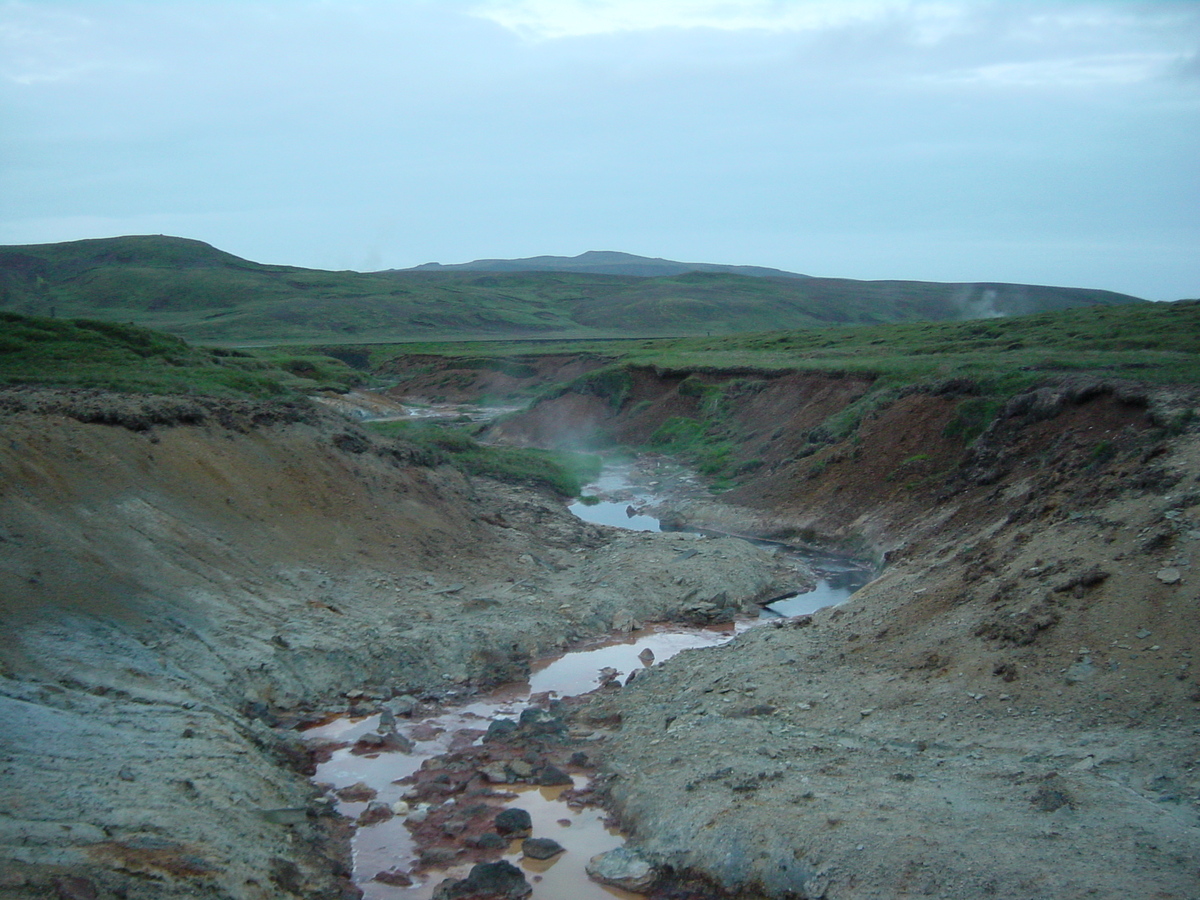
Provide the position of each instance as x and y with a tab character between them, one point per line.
86	353
195	291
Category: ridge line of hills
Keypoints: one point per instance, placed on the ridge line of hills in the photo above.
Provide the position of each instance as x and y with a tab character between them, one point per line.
602	262
196	291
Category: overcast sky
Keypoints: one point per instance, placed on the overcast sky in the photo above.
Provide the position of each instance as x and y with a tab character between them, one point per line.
1047	142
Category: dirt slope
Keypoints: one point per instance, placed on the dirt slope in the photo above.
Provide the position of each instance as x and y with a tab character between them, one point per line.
1010	710
176	576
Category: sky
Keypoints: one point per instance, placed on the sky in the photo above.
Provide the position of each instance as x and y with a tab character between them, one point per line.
1049	142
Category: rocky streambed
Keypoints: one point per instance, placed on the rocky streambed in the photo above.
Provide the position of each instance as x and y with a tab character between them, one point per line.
433	787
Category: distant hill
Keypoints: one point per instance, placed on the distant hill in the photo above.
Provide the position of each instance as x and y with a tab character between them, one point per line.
191	289
602	262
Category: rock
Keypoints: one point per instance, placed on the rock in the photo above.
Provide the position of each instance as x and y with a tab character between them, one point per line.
387	722
1169	575
521	768
514	822
622	868
373	742
394	877
624	621
608	675
359	792
541	848
646	656
489	840
551	776
495	773
377	811
426	731
540	721
402	705
1080	670
500	729
487	881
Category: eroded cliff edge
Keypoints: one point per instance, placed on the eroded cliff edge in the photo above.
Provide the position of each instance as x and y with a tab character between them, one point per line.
1011	709
178	575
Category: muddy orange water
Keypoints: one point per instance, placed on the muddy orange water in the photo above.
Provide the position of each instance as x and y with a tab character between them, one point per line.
389	846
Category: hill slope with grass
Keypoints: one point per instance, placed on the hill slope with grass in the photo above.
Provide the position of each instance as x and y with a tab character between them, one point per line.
194	291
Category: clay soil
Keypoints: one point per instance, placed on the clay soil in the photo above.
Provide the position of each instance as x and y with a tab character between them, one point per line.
182	582
1008	710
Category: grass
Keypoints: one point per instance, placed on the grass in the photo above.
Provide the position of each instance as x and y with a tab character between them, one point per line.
202	294
563	472
120	357
984	362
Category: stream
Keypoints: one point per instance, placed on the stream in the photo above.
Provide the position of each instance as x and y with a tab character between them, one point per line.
387	849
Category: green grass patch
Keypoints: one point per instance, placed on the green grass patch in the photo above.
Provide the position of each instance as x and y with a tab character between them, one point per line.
563	472
121	357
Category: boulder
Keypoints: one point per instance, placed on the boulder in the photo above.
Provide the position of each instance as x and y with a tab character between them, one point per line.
514	822
541	848
487	881
622	868
552	776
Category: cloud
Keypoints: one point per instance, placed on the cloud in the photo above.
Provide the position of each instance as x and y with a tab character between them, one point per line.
551	19
1085	71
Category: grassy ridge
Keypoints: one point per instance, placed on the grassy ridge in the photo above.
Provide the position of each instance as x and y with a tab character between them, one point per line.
986	362
203	294
119	357
1151	342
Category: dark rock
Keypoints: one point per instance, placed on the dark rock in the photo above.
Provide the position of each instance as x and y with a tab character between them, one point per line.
371	742
514	823
541	848
551	776
394	877
489	840
487	881
499	729
360	792
540	721
376	811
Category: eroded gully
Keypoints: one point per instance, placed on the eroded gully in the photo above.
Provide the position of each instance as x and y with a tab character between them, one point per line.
381	767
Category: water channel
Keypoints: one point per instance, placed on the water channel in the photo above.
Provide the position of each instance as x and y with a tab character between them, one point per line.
388	846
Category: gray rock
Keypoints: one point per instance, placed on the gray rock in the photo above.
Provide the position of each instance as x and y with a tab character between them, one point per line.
1169	575
1080	671
541	848
495	773
624	621
622	868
